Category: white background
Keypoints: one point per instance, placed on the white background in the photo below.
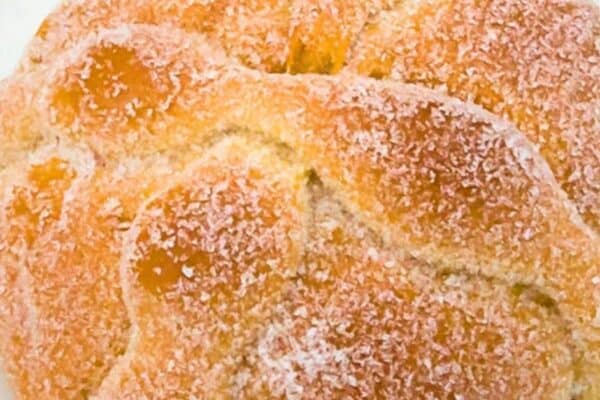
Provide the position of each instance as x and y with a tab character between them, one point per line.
19	20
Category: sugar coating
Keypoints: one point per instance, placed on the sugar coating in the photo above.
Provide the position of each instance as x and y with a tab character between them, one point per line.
64	221
267	35
535	63
447	183
123	86
366	322
235	218
296	36
350	135
16	99
443	183
30	204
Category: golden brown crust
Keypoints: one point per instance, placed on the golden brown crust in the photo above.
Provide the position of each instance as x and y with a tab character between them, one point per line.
119	90
446	182
32	205
363	321
270	35
65	220
16	119
534	62
205	262
254	31
383	148
418	173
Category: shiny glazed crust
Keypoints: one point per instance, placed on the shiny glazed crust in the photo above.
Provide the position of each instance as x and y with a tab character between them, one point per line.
187	214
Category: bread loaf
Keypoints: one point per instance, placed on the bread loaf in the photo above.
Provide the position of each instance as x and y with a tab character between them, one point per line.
300	199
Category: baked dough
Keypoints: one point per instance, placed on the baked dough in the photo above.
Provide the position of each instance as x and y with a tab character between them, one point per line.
182	219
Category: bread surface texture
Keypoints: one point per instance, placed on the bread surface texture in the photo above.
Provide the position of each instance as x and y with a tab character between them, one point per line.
303	199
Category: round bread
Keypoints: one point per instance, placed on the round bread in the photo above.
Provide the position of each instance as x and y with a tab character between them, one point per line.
186	213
